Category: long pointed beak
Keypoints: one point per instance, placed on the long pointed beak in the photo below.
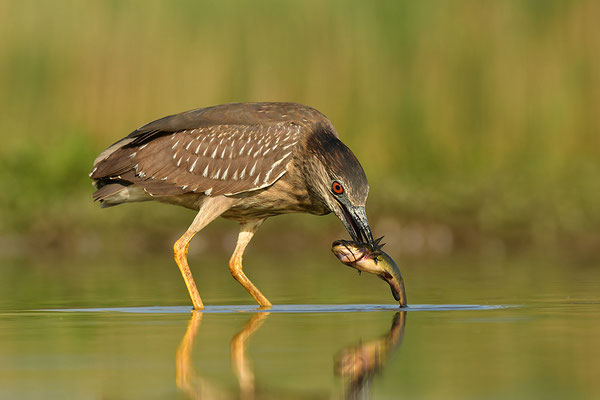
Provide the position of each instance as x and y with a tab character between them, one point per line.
357	225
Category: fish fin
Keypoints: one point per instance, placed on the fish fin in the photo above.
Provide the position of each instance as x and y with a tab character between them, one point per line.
378	246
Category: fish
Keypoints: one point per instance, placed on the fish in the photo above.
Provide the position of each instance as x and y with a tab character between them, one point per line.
373	260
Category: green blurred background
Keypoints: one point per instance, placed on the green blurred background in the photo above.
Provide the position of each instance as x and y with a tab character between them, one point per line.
476	121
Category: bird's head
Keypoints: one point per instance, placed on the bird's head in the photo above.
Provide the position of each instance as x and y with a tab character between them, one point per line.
339	180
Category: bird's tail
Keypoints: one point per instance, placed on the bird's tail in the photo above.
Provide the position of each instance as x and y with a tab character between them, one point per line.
115	193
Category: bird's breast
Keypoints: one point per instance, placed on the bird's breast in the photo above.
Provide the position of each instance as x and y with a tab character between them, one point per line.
287	195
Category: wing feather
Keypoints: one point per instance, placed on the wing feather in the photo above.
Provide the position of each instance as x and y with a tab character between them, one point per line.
220	159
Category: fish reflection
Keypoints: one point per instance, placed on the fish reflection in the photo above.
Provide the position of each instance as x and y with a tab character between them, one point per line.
359	364
356	364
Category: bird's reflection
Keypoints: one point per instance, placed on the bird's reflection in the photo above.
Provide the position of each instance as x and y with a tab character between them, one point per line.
194	385
240	364
356	364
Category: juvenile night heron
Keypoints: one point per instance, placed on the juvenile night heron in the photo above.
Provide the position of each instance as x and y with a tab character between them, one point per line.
241	161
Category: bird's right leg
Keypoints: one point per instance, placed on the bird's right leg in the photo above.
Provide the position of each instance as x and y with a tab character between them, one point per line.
210	209
235	263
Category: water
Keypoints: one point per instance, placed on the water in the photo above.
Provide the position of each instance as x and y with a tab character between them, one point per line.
519	328
286	308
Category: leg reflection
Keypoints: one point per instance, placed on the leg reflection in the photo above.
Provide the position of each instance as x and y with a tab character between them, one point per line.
239	362
358	364
186	378
194	385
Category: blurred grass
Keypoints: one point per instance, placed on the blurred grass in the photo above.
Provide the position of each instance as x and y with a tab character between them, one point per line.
478	115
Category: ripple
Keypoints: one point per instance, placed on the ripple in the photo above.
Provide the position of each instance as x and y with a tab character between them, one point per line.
287	308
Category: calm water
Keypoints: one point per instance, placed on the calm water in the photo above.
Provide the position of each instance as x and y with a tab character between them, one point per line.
524	327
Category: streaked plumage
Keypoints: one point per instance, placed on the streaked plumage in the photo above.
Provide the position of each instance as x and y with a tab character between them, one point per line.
211	151
252	160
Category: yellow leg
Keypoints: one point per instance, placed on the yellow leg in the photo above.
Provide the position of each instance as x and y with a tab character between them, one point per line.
181	249
211	208
235	263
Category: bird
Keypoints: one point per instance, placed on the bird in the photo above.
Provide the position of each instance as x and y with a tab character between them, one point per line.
241	161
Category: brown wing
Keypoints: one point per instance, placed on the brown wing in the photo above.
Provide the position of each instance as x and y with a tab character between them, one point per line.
221	159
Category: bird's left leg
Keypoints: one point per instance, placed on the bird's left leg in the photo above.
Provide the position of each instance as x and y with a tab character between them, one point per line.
235	263
210	209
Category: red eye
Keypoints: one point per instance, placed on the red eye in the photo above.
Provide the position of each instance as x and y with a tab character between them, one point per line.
337	187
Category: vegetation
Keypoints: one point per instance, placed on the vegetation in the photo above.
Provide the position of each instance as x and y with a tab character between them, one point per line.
477	115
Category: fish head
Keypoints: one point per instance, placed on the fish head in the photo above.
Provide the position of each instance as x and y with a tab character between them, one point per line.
350	252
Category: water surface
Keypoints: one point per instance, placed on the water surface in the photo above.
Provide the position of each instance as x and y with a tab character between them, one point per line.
520	328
